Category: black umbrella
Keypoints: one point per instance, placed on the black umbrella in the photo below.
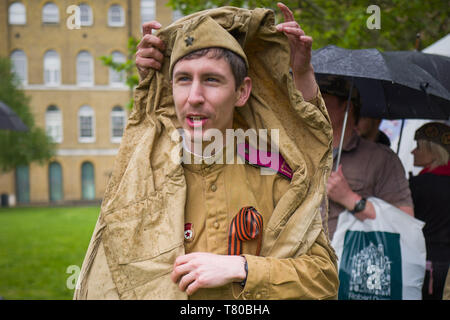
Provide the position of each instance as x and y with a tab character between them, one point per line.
9	120
436	65
392	85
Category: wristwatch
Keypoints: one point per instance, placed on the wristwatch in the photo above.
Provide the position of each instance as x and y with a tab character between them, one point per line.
359	206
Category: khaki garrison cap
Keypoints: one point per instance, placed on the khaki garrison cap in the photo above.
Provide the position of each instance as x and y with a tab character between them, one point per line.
200	34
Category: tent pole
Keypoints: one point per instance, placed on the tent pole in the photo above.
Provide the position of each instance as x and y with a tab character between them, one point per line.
400	136
344	125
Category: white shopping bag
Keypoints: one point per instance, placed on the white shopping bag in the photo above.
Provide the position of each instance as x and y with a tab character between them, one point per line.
382	258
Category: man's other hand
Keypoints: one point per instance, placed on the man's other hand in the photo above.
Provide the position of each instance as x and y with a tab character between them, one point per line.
207	270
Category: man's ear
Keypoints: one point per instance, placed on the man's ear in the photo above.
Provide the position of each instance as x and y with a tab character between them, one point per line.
243	92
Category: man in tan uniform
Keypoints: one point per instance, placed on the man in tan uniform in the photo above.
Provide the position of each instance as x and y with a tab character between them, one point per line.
170	230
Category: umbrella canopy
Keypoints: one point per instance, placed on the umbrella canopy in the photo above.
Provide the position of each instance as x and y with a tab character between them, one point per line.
438	66
392	85
9	120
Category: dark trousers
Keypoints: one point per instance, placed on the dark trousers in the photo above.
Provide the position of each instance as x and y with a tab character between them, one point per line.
433	284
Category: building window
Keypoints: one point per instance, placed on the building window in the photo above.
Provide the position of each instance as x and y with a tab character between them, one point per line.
53	124
148	10
87	181
85	69
118	120
19	65
117	78
86	17
177	14
52	67
17	13
86	124
50	13
55	181
22	178
116	16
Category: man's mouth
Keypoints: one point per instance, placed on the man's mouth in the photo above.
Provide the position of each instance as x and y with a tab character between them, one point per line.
196	121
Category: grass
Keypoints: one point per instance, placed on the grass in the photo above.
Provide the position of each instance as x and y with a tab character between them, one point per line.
37	245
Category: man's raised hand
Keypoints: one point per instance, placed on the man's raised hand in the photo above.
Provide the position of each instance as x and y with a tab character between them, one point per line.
149	50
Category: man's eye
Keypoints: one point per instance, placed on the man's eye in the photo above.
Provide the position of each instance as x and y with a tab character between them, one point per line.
183	79
212	79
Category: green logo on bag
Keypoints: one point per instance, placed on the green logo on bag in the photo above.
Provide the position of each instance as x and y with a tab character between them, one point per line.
371	266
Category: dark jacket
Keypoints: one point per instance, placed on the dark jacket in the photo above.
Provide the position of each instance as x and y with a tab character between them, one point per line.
431	197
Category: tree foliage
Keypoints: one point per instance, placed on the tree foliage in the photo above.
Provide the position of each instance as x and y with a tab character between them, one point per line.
20	148
129	66
344	23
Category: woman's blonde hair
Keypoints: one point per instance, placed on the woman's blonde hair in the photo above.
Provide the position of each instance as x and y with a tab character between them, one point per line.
439	152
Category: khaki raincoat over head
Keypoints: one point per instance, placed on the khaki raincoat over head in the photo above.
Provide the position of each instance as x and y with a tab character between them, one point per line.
141	224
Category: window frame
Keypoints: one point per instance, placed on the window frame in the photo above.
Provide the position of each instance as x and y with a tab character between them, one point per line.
51	187
84	174
147	5
113	73
22	14
47	6
89	60
58	123
90	21
112	23
116	113
21	58
56	61
176	15
86	111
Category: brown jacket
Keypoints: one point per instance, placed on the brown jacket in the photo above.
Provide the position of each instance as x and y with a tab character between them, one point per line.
371	170
141	225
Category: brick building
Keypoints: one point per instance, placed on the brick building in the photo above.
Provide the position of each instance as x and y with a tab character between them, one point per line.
55	47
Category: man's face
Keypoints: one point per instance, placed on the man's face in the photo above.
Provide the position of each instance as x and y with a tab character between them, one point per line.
204	94
335	108
367	126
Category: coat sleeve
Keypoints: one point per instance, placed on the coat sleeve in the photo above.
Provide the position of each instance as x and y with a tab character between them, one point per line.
312	275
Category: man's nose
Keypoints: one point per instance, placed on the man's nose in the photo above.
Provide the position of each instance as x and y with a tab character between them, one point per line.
196	94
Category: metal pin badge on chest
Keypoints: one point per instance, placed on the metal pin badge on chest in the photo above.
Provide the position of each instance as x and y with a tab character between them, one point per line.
188	232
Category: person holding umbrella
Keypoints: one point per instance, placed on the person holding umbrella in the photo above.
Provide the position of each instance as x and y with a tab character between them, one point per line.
430	192
366	169
368	128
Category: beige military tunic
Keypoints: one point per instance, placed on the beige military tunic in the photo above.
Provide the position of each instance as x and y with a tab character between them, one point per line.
215	193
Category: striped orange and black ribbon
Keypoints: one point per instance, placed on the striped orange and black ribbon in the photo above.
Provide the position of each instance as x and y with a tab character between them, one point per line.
246	225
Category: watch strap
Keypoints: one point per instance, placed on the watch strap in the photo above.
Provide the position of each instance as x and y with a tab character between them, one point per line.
359	206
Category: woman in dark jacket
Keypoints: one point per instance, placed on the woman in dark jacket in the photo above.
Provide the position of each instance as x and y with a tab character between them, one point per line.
430	191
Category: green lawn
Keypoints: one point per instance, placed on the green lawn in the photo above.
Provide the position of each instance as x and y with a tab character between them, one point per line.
37	245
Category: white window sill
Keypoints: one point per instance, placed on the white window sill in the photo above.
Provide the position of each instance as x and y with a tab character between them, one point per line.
86	140
114	25
116	140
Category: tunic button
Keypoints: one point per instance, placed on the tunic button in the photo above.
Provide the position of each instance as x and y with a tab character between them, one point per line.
216	225
213	188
